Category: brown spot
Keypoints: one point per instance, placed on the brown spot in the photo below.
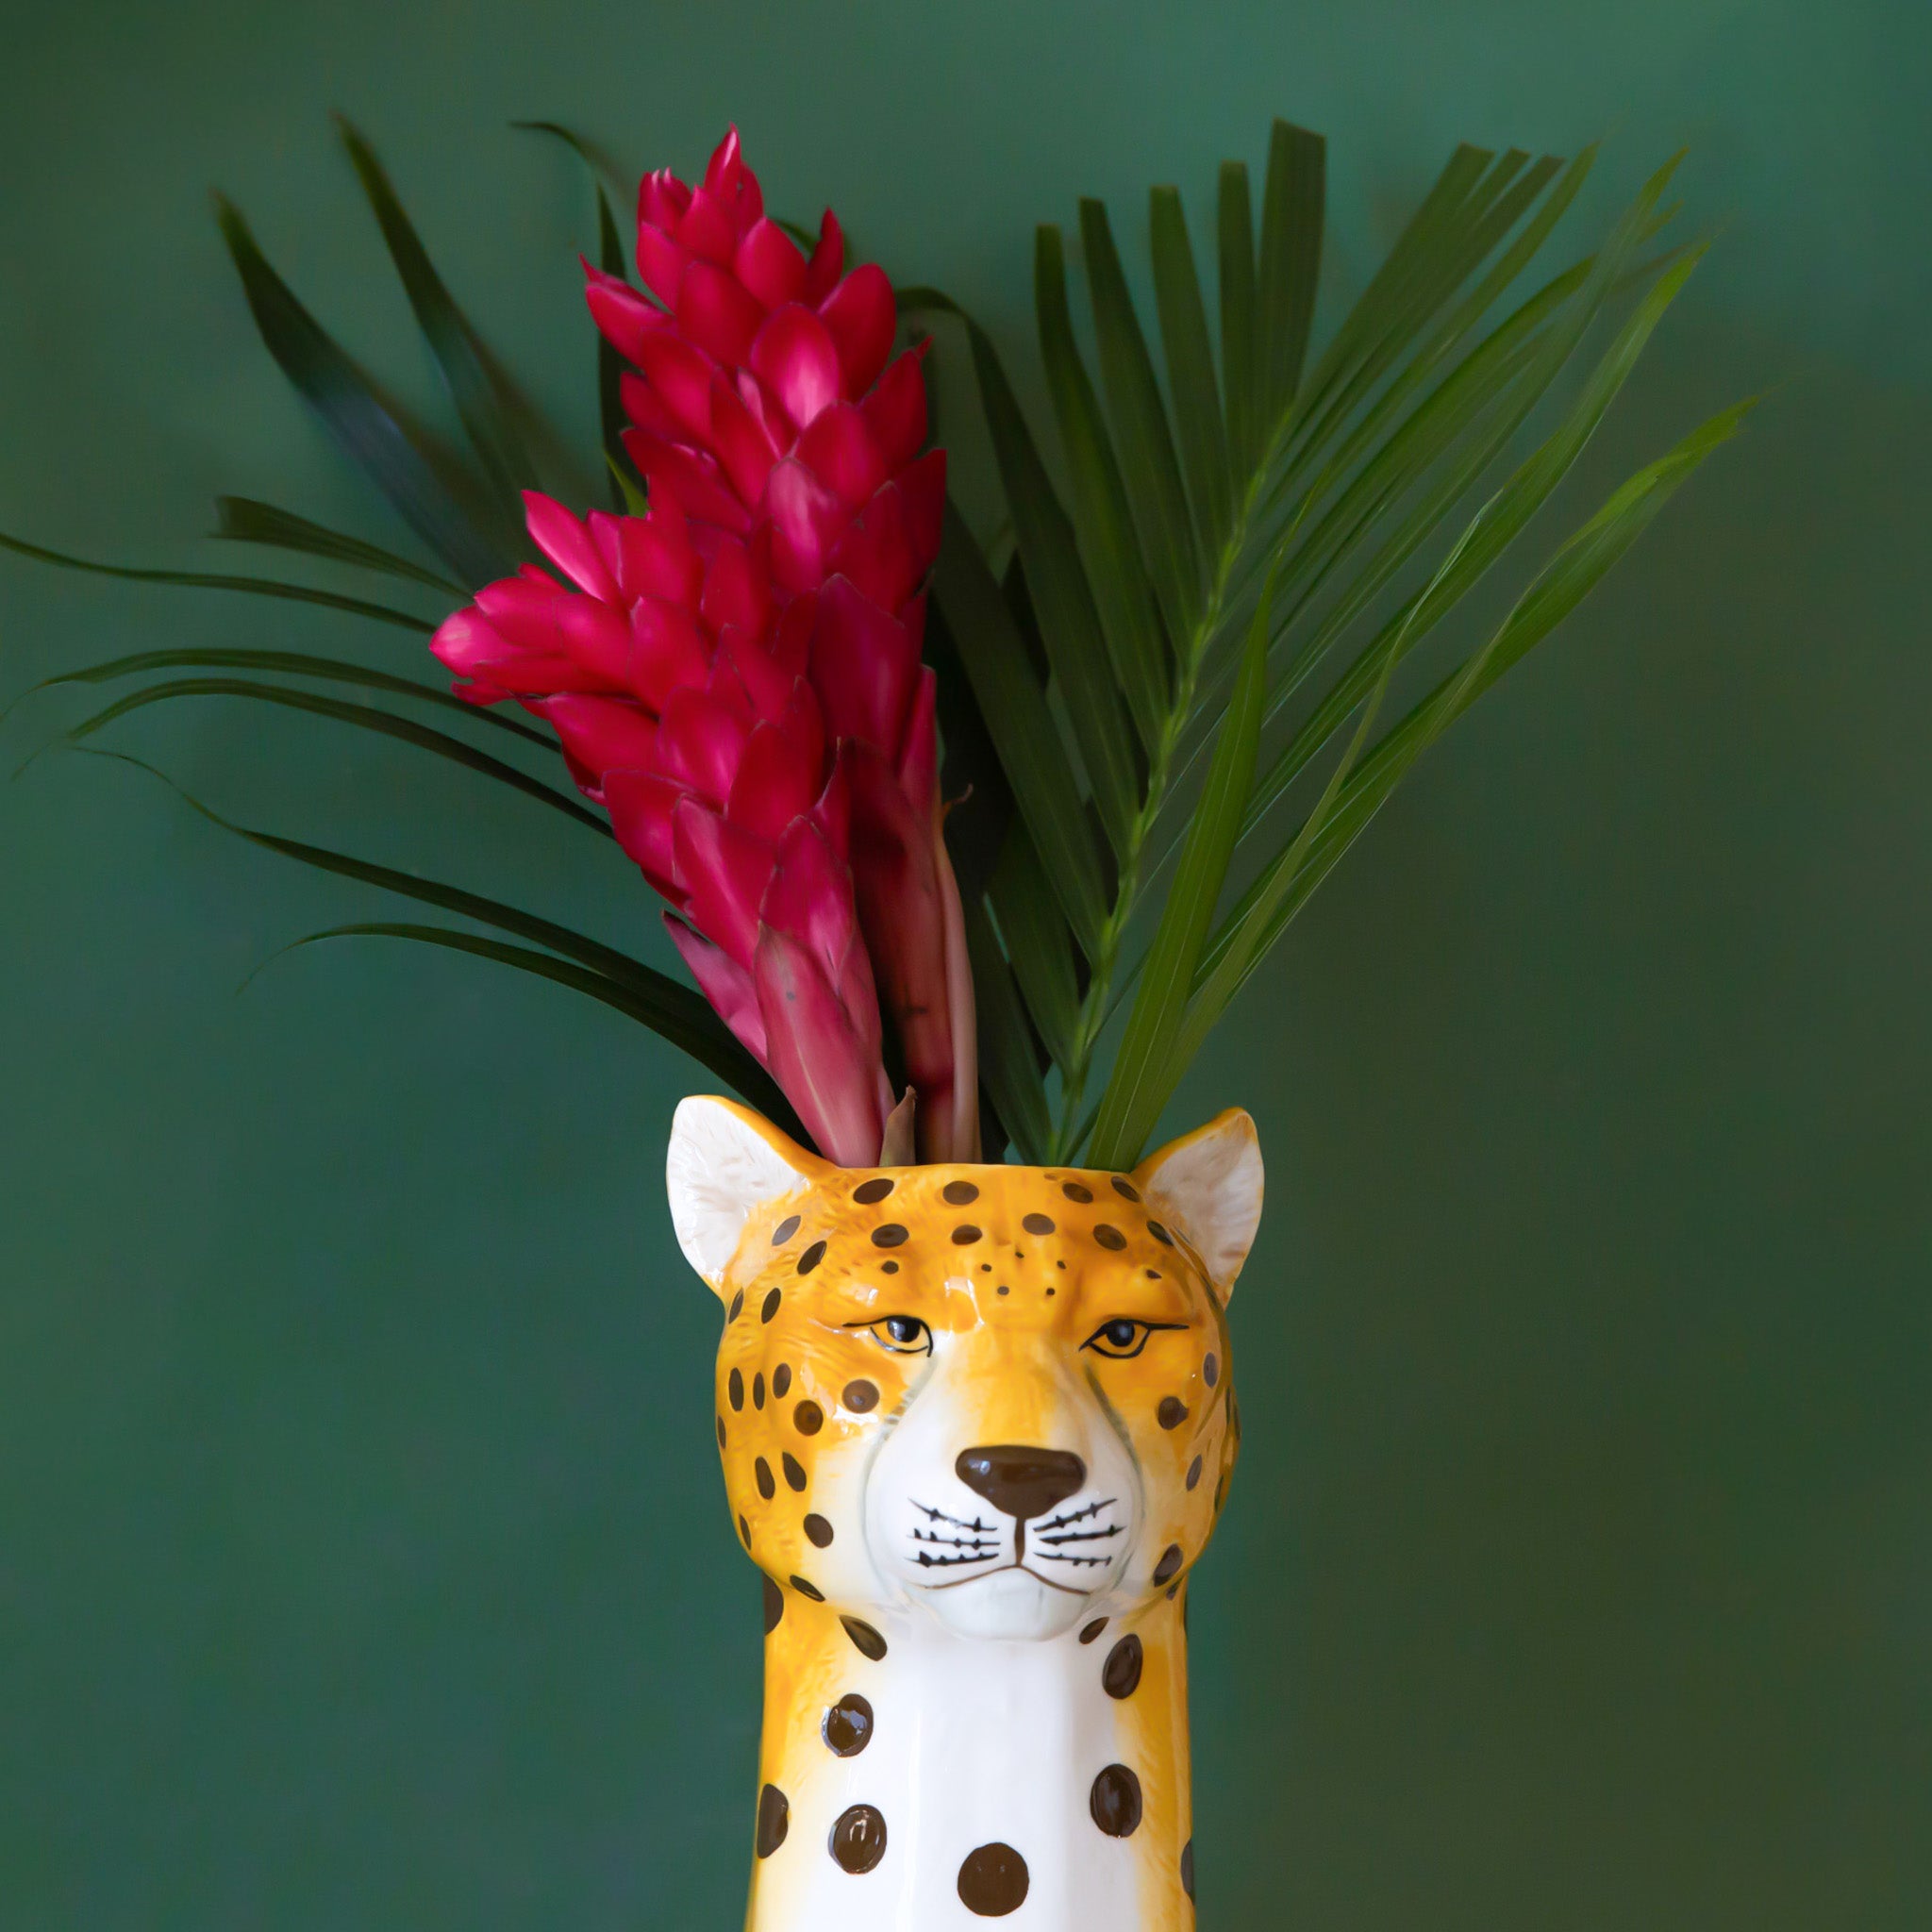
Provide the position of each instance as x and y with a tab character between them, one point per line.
1188	1867
785	1230
865	1639
811	1258
1093	1630
1173	1412
795	1471
745	1532
775	1820
808	1589
1074	1192
769	1306
1115	1801
1170	1562
781	1380
959	1194
1211	1369
816	1528
889	1235
1108	1235
808	1417
1120	1675
1152	1274
762	1470
862	1397
720	1432
1161	1234
1126	1189
775	1604
735	1387
866	1192
847	1728
993	1881
1194	1471
736	1307
1036	1224
757	1389
965	1234
858	1839
889	1267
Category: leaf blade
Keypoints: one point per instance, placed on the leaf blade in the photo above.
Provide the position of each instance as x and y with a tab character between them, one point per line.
451	341
1069	624
211	580
363	717
244	520
764	1094
1014	707
1101	519
1149	467
358	419
1140	1084
1190	370
1292	217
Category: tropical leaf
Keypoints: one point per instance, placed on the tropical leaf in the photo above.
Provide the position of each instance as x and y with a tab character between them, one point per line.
363	717
1282	499
1263	912
1008	1067
665	1021
473	386
1137	1089
295	664
1029	747
626	495
206	580
677	1012
242	519
365	426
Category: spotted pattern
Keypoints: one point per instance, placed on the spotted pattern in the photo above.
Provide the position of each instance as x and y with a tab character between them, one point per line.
1063	1254
994	1881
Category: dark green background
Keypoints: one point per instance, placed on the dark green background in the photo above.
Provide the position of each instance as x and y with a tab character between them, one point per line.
361	1562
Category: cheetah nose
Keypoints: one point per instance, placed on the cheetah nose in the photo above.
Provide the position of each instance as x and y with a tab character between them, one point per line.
1021	1480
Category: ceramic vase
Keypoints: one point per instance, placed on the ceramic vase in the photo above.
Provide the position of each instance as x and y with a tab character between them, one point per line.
977	1424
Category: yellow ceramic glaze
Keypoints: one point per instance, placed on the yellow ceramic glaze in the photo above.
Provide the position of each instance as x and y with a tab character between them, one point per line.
882	1328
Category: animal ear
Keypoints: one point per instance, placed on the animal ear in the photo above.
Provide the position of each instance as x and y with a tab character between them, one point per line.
723	1161
1209	1184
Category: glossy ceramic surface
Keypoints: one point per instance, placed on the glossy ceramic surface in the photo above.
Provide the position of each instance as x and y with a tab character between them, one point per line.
977	1425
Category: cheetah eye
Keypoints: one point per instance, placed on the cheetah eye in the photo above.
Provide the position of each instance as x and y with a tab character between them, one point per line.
902	1334
1123	1339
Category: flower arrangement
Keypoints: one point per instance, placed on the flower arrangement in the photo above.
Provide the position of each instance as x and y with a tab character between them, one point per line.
966	841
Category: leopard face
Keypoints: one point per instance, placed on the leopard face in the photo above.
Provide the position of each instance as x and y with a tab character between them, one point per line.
1000	1394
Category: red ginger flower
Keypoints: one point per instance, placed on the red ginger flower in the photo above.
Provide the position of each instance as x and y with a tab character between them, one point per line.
681	704
738	676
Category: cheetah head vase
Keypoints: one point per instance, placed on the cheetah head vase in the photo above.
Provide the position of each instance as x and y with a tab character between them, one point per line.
977	1424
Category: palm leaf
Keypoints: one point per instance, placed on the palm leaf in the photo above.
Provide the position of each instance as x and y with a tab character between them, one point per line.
1265	911
363	717
206	580
1138	1087
295	664
699	1043
677	1012
1182	494
625	493
473	386
242	520
365	426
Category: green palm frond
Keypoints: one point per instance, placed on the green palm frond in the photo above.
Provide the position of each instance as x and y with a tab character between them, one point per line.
1212	540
